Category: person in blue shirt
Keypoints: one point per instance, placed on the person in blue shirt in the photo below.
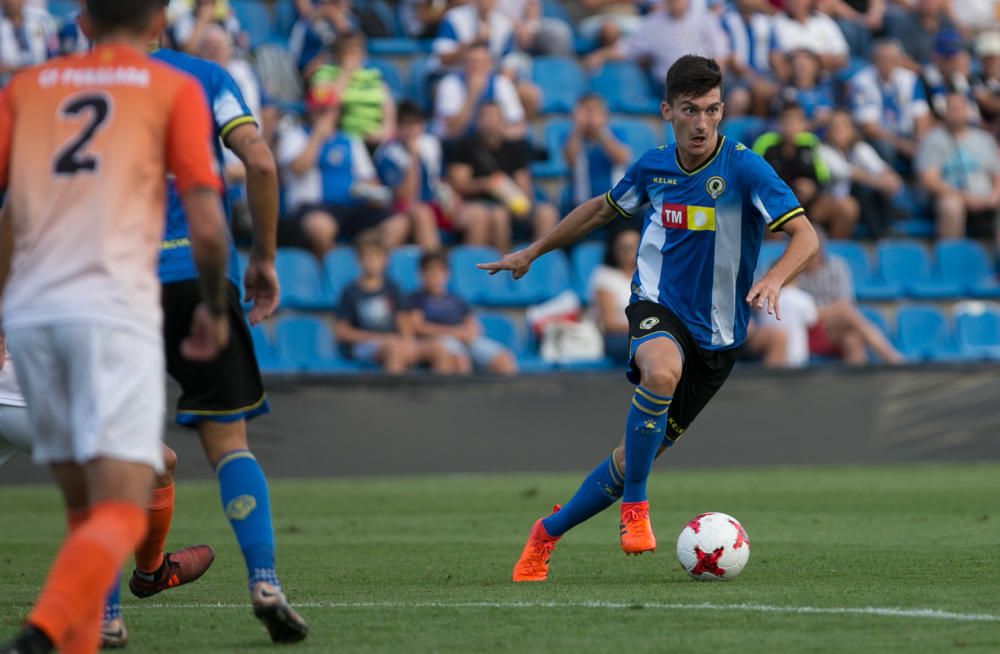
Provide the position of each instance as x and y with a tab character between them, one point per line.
595	153
704	204
810	90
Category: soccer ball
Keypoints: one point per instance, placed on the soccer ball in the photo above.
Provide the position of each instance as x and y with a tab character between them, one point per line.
713	547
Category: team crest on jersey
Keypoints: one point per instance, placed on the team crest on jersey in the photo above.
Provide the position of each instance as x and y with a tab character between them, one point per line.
649	323
715	186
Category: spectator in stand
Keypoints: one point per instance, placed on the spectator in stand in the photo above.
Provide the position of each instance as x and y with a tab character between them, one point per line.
986	86
594	152
842	330
794	153
803	27
610	290
857	170
889	104
752	85
974	16
411	164
421	18
858	20
460	97
487	167
371	326
799	315
314	34
331	186
915	28
28	36
948	73
765	343
960	165
194	18
72	40
443	318
664	36
810	89
367	109
605	21
480	22
534	33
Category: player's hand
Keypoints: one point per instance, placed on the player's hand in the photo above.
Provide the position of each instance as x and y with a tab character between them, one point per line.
262	289
518	263
209	335
764	294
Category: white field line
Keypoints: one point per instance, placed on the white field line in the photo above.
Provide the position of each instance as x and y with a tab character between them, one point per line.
884	612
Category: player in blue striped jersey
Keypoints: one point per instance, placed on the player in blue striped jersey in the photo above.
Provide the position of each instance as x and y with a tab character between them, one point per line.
704	204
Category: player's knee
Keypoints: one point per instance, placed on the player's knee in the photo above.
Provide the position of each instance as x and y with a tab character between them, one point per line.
169	465
660	379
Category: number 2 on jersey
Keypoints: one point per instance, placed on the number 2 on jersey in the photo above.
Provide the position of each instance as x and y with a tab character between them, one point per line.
72	158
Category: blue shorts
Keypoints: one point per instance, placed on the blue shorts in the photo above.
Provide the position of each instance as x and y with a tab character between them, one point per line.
366	352
482	351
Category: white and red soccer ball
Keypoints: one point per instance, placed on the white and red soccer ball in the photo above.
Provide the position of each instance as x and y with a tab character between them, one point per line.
713	547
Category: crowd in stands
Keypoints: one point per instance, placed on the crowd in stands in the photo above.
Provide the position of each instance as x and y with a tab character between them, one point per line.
405	128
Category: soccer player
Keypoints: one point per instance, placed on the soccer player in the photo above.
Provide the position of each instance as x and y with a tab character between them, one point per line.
704	204
85	147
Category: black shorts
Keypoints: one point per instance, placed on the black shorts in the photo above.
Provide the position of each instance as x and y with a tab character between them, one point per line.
703	373
226	389
351	222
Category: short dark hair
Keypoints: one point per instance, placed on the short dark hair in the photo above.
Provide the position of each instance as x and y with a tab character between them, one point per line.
790	106
370	239
432	257
408	111
133	15
692	76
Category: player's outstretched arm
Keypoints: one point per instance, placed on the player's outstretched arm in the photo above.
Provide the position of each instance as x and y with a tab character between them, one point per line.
802	245
587	217
260	280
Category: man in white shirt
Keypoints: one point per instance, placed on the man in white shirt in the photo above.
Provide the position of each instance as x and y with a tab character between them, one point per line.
460	95
802	27
28	36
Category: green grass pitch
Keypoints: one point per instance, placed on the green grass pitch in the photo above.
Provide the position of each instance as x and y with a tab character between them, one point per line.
423	565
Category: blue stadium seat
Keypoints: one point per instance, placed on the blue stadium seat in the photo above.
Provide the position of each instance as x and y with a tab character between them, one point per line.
307	343
879	320
501	328
255	18
923	334
561	81
770	251
965	262
390	75
743	129
340	268
547	278
553	136
60	9
636	134
977	327
284	17
907	263
624	87
404	268
268	358
469	283
394	46
301	284
583	259
867	286
668	134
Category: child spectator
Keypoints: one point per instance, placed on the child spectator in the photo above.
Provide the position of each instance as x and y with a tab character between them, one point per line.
442	317
370	326
594	152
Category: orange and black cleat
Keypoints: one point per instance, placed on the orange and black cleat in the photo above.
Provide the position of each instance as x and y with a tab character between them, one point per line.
534	562
636	531
179	568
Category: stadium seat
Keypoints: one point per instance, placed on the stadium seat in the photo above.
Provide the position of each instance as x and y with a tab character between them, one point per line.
267	354
255	19
743	129
977	327
624	87
923	334
301	284
668	134
965	262
420	81
393	46
878	318
770	251
561	81
548	277
636	134
584	258
553	136
60	9
469	283
867	286
502	329
404	268
284	17
907	264
340	268
307	343
390	75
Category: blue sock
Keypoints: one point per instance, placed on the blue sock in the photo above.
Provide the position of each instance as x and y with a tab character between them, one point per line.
644	430
246	503
601	489
113	601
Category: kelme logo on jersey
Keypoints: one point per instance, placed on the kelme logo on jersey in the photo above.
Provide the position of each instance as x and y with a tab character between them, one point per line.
715	187
649	323
682	216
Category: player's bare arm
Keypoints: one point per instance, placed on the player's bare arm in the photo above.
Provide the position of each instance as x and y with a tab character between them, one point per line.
6	245
260	279
802	245
209	248
592	214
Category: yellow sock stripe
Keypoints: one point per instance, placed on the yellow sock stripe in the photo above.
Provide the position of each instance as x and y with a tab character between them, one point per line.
651	398
636	404
232	456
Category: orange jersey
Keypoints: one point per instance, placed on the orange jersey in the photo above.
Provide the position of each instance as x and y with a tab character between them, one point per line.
86	143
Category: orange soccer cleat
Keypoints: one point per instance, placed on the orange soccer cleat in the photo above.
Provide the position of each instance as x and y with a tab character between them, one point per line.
636	531
179	568
534	562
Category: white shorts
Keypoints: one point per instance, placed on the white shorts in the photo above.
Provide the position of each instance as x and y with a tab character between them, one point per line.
15	432
93	391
